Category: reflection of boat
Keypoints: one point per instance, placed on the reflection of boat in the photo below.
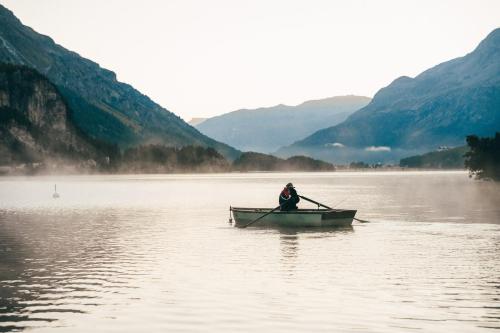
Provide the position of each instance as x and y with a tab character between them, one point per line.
294	218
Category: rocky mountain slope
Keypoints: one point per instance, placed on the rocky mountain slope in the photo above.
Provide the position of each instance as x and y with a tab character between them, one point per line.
267	129
103	107
439	107
36	128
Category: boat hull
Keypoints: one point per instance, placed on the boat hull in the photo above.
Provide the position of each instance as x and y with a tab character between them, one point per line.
299	218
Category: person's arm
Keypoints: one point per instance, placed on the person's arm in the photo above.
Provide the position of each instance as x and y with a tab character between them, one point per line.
294	195
284	197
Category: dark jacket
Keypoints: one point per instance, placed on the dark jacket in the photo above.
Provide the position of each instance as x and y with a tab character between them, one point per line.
289	199
294	195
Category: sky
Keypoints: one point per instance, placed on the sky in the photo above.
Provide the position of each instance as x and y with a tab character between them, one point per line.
205	58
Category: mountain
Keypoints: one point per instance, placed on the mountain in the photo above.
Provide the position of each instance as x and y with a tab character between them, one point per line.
36	126
267	129
439	107
196	121
104	108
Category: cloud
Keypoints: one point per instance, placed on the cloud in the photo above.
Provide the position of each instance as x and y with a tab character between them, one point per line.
334	145
378	148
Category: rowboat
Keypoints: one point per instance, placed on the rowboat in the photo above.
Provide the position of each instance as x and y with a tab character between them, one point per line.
295	218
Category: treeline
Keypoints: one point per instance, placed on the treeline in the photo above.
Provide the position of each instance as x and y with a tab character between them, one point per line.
453	158
252	161
158	159
481	156
162	159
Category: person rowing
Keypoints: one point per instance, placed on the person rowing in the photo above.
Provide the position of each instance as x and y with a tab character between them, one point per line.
289	198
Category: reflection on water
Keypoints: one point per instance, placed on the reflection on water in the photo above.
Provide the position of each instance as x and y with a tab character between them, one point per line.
289	240
155	253
49	268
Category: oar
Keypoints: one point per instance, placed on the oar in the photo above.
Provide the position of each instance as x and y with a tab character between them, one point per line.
320	204
314	202
257	219
359	220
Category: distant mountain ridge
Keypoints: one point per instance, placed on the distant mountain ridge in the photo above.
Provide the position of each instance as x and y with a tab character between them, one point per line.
103	107
196	121
267	129
438	107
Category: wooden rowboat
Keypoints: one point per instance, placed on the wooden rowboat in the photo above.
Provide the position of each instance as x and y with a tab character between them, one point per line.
294	218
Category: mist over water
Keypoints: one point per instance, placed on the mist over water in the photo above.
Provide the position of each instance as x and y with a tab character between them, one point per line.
155	253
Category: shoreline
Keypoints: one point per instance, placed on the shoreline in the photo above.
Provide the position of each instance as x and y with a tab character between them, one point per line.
236	173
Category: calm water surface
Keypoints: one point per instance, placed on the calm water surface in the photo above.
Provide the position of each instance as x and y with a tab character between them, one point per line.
156	254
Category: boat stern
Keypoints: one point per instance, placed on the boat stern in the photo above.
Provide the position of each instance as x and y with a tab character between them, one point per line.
338	218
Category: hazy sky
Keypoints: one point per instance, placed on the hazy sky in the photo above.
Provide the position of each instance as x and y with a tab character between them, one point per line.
204	58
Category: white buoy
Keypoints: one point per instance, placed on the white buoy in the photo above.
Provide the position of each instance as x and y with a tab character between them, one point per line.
55	195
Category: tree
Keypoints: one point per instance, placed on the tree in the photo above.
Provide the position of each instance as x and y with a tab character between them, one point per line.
483	159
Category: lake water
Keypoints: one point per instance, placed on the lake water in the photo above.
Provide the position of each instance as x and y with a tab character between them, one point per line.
156	254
